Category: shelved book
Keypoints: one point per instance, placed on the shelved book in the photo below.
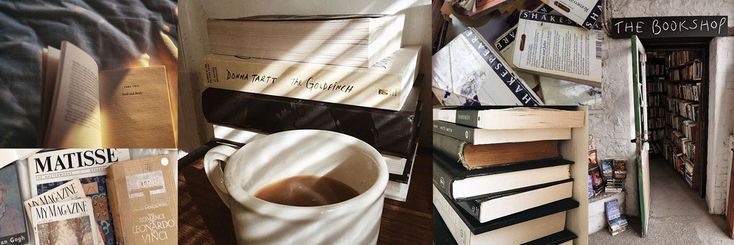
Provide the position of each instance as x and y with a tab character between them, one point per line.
144	200
384	85
71	222
469	66
503	117
345	40
83	106
517	228
459	183
13	230
386	130
50	169
554	46
481	156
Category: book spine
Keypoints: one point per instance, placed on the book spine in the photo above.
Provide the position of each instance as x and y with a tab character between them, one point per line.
467	118
443	180
471	207
388	131
459	230
451	148
334	84
455	131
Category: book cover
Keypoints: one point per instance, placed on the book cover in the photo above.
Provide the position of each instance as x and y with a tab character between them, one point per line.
606	168
70	222
470	67
617	222
384	85
386	130
71	190
50	169
13	228
553	46
585	13
143	200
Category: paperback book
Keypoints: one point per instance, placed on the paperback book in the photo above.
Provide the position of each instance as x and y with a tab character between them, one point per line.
70	222
47	170
13	228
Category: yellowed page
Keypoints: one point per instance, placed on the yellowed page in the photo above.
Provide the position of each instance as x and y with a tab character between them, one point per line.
136	110
74	113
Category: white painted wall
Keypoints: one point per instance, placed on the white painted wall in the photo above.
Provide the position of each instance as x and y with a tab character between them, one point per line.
721	109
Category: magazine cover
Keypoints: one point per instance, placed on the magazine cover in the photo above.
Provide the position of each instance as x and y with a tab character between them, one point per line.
69	222
50	169
12	221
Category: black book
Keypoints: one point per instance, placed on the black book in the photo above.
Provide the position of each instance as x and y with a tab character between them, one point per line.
492	206
526	226
564	237
388	131
459	183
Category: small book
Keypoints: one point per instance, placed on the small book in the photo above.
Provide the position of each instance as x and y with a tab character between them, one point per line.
469	66
70	222
585	13
553	46
459	183
606	168
564	237
478	136
144	200
345	40
518	228
482	156
492	206
510	117
85	107
13	229
617	222
385	85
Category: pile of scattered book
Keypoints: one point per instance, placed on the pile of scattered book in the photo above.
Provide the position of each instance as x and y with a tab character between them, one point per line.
529	64
91	196
498	174
615	218
348	74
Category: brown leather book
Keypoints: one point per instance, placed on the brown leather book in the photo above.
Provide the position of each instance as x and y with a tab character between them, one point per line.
479	156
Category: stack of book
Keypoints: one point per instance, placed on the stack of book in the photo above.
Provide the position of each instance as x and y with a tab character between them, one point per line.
499	176
90	196
347	74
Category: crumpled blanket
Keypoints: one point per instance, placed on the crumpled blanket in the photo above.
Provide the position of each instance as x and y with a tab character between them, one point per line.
114	33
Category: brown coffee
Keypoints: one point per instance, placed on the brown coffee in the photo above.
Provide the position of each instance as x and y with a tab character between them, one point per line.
306	191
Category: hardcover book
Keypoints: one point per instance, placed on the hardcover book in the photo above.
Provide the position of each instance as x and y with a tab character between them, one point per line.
13	228
553	46
385	85
470	67
50	169
85	107
144	200
388	131
459	183
478	136
585	13
70	222
346	40
510	117
518	228
482	156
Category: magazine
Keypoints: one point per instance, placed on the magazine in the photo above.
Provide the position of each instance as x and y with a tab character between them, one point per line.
70	222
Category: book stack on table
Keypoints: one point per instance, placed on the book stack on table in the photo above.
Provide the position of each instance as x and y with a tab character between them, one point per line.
500	176
347	74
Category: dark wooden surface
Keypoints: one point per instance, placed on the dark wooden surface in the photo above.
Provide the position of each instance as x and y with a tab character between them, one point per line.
204	219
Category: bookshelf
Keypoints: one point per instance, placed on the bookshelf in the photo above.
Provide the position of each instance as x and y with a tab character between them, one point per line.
656	95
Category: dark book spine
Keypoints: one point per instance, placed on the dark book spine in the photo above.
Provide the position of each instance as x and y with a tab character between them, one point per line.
388	131
455	131
443	180
471	207
452	148
467	117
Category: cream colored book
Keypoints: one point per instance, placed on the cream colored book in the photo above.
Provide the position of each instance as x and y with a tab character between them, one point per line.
70	222
553	46
71	190
385	85
585	13
468	66
87	108
347	40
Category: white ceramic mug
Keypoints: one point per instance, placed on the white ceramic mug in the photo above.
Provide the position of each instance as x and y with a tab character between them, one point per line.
295	153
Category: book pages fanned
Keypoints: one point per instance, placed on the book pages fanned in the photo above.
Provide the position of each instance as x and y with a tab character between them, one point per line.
47	170
71	222
553	46
470	67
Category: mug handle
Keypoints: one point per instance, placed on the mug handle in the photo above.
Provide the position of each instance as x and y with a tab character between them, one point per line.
214	171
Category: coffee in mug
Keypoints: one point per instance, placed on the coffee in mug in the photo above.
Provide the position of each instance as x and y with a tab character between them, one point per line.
307	191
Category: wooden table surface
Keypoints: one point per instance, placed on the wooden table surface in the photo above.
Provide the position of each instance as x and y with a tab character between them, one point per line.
204	219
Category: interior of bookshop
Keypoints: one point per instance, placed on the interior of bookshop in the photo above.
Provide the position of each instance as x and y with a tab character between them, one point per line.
632	142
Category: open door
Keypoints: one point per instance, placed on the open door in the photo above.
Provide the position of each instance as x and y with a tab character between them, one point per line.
641	138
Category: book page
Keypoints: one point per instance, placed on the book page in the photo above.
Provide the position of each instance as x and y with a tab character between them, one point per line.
75	107
51	58
136	110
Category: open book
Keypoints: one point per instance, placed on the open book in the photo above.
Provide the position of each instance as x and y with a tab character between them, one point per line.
85	107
